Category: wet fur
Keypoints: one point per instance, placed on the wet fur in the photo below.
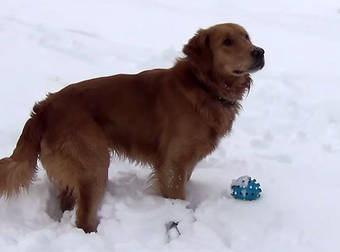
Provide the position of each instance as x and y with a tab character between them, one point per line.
161	117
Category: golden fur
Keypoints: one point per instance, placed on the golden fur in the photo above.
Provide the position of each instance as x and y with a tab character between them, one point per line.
166	118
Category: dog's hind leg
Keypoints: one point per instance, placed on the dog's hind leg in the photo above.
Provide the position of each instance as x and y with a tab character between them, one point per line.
90	194
67	199
78	163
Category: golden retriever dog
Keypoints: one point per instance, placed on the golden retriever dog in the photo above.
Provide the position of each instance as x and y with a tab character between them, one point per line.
168	119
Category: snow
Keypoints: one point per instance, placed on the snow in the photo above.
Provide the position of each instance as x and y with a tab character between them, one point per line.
287	137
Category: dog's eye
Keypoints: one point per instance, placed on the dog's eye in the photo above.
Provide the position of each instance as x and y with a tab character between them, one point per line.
227	42
247	37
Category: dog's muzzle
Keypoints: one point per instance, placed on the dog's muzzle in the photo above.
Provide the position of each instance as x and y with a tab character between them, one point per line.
258	55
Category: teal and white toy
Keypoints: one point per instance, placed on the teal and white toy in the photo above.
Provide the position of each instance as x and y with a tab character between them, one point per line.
245	188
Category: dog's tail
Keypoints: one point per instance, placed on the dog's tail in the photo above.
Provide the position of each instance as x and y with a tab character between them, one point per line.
17	171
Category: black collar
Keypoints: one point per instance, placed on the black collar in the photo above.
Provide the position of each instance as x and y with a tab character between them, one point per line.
223	101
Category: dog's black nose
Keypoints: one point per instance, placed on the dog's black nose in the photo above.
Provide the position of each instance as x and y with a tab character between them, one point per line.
257	52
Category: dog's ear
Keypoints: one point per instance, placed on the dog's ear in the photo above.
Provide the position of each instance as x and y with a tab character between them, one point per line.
198	49
197	45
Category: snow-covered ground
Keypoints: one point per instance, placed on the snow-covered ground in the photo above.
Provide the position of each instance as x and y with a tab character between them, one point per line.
288	136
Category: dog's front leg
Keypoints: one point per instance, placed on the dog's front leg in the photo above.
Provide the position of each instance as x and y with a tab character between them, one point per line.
172	175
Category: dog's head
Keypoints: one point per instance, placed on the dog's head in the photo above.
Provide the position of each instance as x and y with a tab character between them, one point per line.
223	55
